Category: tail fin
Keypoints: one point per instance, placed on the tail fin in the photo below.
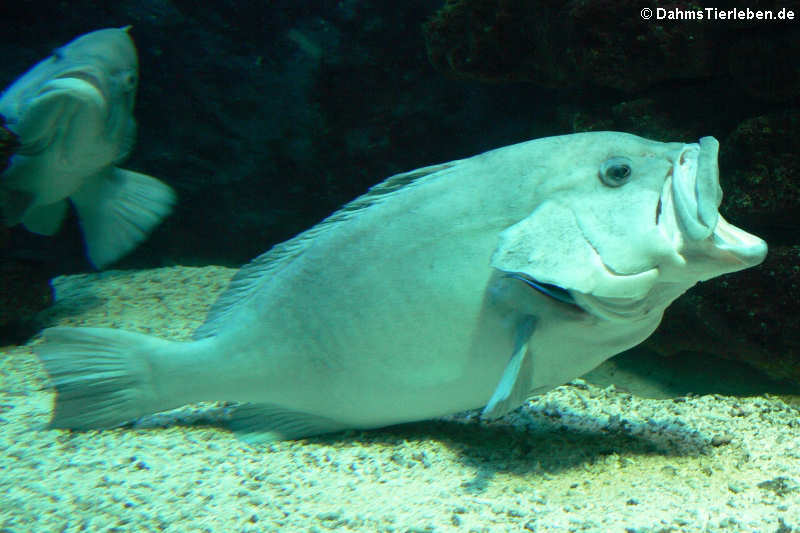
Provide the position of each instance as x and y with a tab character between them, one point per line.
103	377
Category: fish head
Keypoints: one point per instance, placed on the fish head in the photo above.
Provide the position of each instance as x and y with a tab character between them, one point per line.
625	225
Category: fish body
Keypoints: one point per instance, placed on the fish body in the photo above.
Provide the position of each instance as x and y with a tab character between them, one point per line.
474	283
73	116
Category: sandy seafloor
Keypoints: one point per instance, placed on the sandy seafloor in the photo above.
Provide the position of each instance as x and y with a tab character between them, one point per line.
581	458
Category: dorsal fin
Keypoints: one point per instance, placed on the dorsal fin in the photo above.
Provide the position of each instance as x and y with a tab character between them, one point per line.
245	281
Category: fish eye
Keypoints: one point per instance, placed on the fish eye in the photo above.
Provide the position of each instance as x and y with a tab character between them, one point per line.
616	171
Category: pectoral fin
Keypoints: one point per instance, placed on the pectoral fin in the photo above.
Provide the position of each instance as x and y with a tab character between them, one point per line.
117	209
515	383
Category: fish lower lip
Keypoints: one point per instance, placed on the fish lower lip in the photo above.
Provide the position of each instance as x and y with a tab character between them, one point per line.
552	291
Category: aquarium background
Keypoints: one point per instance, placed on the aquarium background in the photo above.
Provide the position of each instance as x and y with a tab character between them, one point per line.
267	116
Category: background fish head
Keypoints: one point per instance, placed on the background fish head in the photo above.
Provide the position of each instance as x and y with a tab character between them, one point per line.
104	58
100	68
626	224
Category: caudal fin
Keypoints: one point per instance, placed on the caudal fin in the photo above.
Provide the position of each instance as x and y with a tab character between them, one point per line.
103	377
118	209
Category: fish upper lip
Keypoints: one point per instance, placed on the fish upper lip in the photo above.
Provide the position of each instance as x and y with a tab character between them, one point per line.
696	190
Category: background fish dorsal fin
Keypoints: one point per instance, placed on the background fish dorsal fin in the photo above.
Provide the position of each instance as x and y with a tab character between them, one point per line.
266	265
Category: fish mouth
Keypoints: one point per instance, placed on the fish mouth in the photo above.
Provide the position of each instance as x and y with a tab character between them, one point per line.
83	79
84	75
688	216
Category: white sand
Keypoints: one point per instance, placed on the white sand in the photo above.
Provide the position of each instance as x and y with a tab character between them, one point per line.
580	458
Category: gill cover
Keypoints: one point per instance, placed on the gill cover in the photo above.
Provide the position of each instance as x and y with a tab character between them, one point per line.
550	246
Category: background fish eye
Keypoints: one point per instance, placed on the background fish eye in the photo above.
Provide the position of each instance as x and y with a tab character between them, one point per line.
615	171
130	80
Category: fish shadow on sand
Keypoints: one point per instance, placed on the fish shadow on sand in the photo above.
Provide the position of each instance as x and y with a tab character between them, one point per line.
548	445
74	296
539	451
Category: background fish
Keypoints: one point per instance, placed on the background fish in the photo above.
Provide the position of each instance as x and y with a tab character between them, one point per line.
474	283
8	144
73	115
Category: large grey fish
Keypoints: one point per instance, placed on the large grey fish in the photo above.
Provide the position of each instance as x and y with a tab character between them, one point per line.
474	283
73	114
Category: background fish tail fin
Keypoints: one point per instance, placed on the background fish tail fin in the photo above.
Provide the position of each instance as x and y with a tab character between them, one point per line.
103	377
118	209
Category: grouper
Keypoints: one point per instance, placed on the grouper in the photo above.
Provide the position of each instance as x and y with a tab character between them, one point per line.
73	115
470	284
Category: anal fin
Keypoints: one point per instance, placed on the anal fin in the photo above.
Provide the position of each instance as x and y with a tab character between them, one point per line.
257	423
515	382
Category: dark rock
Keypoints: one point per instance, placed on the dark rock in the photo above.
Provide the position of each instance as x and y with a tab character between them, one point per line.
24	291
563	43
760	173
759	63
751	316
559	43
